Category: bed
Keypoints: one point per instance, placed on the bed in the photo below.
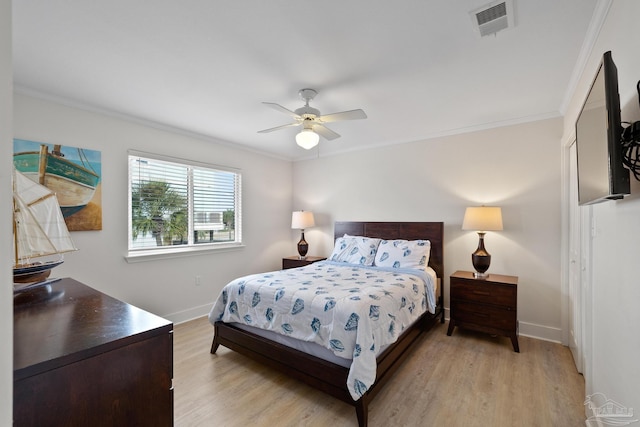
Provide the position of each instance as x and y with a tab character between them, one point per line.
298	359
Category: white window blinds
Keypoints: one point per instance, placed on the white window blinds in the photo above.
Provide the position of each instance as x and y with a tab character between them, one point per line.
176	203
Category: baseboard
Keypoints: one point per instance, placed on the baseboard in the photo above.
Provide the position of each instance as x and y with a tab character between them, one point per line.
190	314
540	332
532	330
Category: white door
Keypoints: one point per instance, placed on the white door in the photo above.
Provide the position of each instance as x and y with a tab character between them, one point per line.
575	283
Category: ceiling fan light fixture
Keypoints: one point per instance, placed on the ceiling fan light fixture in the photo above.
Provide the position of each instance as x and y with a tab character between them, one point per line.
312	121
307	139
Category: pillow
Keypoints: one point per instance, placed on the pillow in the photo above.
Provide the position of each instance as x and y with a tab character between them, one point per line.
355	250
403	254
341	250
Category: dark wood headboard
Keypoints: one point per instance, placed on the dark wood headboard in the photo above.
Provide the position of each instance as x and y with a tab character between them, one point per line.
432	231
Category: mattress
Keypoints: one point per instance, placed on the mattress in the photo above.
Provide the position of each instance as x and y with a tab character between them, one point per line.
315	349
341	313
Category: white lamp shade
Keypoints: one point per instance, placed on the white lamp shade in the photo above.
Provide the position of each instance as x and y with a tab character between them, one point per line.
482	218
301	220
307	139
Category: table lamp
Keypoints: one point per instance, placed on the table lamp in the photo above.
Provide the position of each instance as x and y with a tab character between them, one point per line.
299	221
482	219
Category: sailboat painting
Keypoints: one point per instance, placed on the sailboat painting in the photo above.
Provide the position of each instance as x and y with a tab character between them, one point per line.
40	235
73	174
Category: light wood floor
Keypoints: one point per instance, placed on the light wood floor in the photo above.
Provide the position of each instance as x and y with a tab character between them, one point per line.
467	379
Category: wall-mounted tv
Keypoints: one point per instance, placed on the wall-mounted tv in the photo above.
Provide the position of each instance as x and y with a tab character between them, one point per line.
601	174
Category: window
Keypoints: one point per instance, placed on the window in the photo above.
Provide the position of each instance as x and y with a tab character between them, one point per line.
177	205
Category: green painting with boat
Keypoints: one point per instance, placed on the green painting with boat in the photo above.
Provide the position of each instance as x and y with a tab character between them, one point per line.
73	174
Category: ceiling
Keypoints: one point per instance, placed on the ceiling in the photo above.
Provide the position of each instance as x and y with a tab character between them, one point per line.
418	68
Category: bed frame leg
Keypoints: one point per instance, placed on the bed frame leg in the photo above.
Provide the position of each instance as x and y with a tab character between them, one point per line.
362	413
214	346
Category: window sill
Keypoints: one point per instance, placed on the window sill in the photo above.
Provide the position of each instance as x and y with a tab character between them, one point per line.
155	254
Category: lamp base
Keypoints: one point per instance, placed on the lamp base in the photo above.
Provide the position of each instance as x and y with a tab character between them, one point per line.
481	259
303	247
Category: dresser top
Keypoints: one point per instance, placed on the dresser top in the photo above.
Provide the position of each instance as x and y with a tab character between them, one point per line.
66	321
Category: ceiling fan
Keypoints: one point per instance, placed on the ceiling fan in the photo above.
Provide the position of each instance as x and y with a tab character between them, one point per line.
311	121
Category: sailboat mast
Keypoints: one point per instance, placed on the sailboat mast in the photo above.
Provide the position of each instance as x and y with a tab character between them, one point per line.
42	166
15	232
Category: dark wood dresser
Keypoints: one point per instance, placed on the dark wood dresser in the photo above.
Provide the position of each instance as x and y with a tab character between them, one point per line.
487	305
83	358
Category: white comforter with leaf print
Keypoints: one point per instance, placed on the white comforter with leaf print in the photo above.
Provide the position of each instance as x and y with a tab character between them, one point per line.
351	310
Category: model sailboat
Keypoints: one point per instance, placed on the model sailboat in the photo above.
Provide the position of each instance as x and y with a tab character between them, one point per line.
39	231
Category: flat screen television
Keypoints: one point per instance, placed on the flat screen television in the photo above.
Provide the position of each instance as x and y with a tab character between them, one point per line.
601	174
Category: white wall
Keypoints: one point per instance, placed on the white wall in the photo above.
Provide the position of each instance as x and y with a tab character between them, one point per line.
615	286
165	287
515	167
6	203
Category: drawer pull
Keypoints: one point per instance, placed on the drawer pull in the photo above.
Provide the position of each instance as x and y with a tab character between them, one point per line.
482	293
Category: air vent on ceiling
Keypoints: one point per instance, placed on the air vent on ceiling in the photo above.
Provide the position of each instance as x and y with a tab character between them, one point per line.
493	17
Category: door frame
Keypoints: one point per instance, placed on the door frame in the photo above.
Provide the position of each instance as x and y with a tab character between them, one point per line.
578	220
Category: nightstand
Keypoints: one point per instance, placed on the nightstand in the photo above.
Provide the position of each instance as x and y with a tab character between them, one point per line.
487	305
295	261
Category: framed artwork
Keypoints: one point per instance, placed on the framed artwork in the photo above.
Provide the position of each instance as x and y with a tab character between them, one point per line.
73	174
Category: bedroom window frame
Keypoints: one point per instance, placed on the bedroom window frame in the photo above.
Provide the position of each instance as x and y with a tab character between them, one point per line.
196	182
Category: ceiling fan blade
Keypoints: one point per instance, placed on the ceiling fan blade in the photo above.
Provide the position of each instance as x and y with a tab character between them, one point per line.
282	109
280	127
325	132
344	115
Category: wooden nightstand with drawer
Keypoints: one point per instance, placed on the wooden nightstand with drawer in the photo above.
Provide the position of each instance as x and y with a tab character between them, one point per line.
294	261
487	305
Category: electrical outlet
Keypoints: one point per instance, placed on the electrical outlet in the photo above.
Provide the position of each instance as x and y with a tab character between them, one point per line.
198	280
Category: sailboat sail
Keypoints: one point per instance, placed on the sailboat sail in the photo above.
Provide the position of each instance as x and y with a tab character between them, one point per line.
39	227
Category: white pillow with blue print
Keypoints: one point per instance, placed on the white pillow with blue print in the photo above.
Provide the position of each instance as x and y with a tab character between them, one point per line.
341	249
403	254
355	250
